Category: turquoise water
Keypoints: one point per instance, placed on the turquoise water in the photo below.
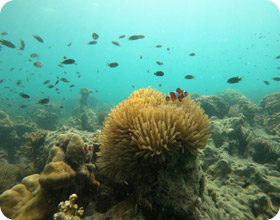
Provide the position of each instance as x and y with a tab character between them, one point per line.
229	37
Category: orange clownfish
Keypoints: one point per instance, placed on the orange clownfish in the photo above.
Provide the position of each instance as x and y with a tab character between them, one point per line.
178	94
86	148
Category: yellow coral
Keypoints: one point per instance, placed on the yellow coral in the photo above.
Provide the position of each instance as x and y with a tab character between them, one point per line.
145	130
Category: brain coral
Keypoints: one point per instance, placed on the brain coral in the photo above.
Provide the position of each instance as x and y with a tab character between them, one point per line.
145	131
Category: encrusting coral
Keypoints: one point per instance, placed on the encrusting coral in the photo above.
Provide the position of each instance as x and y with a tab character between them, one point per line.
66	170
145	131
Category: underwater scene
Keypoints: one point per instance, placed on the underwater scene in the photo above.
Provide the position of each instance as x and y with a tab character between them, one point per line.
140	110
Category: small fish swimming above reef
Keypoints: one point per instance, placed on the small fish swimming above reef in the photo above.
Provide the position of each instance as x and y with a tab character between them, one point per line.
46	82
159	63
68	61
38	38
38	64
234	80
92	42
112	65
136	37
4	33
23	95
276	78
116	43
22	45
43	101
178	94
64	80
33	55
158	46
278	57
189	77
266	82
159	73
7	43
192	54
122	36
86	148
94	36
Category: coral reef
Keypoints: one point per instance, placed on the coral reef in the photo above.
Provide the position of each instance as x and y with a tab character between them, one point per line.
46	119
68	210
148	165
213	106
84	118
145	131
232	97
271	113
35	197
11	134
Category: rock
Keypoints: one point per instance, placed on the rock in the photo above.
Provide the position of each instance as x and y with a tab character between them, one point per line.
232	97
213	106
271	113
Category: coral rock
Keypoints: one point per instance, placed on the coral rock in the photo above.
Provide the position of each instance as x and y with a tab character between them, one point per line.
57	175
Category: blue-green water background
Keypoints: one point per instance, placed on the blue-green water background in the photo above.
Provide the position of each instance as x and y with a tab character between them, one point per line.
230	38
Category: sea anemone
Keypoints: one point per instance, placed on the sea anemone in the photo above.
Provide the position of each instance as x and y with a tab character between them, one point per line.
145	131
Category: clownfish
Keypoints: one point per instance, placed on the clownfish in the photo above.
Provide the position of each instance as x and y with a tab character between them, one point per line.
178	94
86	148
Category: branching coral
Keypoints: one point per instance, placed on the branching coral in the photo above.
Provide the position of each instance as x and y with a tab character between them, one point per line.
145	131
68	210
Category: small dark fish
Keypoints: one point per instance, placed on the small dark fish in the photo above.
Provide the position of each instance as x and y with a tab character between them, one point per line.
50	86
46	82
133	86
33	55
57	81
69	44
92	42
12	69
266	82
116	43
38	64
7	43
4	33
276	78
278	67
18	82
22	106
114	64
2	80
122	36
141	57
22	45
38	38
43	101
94	36
158	46
68	61
234	80
71	86
60	65
23	95
192	54
160	85
189	77
168	48
64	80
159	63
136	37
64	57
278	57
159	73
